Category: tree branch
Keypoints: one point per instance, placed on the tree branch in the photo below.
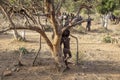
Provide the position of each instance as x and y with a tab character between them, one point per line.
73	23
81	7
49	4
8	17
25	12
4	30
59	6
33	28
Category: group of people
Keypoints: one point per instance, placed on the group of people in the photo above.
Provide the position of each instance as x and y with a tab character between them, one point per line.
114	18
66	18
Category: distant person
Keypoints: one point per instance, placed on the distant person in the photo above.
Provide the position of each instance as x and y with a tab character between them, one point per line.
106	21
88	26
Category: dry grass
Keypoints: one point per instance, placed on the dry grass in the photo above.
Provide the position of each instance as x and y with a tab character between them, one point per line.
97	60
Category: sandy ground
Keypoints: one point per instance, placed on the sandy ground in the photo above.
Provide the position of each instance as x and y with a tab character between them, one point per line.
98	60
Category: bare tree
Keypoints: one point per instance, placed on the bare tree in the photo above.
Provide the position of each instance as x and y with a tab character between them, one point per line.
48	9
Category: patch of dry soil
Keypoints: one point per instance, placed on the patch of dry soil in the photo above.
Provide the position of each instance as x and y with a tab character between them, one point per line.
98	60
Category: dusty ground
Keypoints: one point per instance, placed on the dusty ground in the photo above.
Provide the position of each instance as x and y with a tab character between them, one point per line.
98	60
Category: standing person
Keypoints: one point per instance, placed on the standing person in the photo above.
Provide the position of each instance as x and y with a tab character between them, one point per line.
88	26
66	47
106	20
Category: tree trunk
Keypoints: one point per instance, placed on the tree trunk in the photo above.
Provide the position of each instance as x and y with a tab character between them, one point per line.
102	21
57	54
56	47
16	35
23	34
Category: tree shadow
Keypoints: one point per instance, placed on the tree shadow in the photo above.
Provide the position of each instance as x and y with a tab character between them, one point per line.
99	67
5	36
96	67
31	41
101	30
79	30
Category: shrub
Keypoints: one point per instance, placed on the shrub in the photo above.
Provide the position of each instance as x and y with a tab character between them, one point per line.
81	57
23	50
107	39
116	13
